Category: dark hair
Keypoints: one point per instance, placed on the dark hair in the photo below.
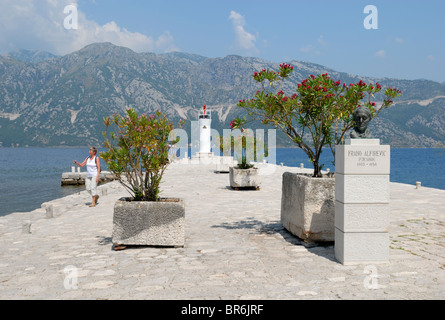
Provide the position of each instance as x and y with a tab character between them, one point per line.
362	108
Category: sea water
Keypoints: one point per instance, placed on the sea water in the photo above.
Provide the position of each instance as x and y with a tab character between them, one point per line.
408	165
32	176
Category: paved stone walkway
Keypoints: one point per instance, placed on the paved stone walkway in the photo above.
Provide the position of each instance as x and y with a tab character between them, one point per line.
235	248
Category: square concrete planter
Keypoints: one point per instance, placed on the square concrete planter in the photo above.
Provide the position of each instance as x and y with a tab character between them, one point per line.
308	207
244	178
149	223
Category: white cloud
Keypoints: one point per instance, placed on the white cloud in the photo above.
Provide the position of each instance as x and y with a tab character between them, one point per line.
307	49
430	57
321	41
310	49
244	40
166	43
237	19
39	24
315	50
380	54
400	40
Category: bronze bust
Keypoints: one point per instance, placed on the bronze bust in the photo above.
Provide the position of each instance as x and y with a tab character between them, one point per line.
361	116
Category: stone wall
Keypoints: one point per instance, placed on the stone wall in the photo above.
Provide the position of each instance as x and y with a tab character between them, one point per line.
78	178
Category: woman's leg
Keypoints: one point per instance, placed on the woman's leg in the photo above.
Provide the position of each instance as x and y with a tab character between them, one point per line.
94	191
88	185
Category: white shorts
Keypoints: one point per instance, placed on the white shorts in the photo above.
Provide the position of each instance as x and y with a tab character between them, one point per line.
91	185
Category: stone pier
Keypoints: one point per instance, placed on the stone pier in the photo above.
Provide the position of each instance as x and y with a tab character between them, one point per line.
235	249
78	178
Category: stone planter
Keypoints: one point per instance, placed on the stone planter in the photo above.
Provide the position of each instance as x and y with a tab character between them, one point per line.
308	207
149	223
244	178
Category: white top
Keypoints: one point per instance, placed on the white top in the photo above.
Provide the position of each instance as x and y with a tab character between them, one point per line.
91	167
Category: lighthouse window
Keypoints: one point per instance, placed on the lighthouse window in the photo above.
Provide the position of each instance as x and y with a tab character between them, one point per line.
204	116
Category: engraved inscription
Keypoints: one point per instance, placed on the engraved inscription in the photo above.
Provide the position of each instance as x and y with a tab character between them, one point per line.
367	158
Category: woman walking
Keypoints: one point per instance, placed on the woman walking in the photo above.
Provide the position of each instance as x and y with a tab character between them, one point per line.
93	170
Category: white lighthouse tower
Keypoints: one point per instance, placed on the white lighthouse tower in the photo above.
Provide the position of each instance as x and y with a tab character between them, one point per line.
205	123
205	154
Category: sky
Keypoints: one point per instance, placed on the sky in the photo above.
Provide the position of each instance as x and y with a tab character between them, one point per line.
402	39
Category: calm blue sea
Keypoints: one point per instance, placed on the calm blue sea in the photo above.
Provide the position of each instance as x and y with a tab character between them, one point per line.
31	176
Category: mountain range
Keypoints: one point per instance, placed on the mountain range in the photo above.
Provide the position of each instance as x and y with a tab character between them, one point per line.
48	100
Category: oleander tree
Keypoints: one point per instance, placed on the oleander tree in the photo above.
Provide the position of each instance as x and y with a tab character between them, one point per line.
245	146
317	115
137	151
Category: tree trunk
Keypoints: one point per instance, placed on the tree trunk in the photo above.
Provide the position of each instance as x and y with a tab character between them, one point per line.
317	170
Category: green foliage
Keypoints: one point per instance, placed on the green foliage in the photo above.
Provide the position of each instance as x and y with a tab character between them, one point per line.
137	152
245	147
319	113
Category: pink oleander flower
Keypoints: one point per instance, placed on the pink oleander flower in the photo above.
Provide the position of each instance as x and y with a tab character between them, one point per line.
319	102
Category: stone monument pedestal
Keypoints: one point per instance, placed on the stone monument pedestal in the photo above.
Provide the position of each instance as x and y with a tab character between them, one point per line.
362	201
